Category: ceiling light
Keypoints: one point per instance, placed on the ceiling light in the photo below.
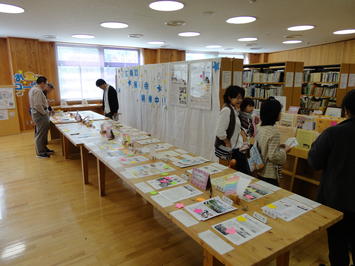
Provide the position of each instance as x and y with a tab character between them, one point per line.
229	48
240	20
247	39
175	23
114	25
213	46
11	9
83	36
348	31
166	5
300	28
157	42
292	42
135	35
189	34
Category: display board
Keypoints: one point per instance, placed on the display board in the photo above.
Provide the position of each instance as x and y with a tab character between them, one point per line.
160	101
9	121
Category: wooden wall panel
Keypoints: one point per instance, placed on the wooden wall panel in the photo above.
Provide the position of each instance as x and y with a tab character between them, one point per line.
325	54
155	56
5	66
48	68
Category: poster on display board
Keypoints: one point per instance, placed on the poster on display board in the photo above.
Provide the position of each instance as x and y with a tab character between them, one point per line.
7	99
178	85
200	89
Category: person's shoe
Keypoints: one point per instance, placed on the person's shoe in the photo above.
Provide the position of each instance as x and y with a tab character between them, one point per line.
43	156
48	151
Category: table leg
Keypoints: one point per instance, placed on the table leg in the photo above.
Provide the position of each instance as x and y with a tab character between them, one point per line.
66	148
55	134
101	177
283	259
84	164
207	258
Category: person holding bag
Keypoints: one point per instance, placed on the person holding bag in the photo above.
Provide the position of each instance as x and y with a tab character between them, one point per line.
228	138
273	153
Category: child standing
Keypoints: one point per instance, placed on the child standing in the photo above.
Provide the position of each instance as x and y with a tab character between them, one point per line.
246	121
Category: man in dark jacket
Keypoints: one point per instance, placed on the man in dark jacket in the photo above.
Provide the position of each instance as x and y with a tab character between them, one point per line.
334	153
109	100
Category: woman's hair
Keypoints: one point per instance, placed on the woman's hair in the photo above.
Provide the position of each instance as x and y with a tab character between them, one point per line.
349	103
269	111
233	92
246	102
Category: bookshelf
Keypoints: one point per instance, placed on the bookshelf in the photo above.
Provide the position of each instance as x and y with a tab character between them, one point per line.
273	79
324	86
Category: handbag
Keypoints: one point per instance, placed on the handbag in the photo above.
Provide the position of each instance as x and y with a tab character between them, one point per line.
221	151
255	160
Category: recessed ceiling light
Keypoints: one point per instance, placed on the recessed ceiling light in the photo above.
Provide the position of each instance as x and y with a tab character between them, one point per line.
189	34
228	48
213	46
114	25
241	20
292	42
166	5
348	31
247	39
175	23
83	36
156	42
300	28
11	9
135	35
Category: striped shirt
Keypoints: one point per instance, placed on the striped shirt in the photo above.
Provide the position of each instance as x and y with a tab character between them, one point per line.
268	141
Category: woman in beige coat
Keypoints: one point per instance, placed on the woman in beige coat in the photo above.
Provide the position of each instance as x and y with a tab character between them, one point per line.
268	140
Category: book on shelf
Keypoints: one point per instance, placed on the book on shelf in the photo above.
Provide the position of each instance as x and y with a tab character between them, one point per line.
329	76
258	76
263	91
309	103
320	90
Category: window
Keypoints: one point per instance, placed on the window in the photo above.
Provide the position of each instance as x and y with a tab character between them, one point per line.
80	66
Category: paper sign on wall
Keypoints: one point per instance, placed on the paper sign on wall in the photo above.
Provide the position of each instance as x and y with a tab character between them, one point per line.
4	115
289	79
237	78
7	99
298	79
351	80
343	81
226	79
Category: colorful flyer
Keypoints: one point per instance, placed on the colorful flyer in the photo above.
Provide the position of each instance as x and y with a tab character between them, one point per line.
166	181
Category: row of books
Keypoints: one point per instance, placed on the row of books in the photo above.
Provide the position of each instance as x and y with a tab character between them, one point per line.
263	91
320	91
255	75
320	76
313	103
316	123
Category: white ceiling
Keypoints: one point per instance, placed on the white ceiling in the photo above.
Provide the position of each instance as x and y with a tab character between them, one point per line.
63	18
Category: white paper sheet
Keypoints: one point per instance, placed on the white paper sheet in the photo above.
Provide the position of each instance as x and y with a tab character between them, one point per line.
162	201
226	79
142	186
7	99
289	79
215	242
184	218
351	81
298	79
303	200
237	78
242	184
343	81
4	115
180	193
241	229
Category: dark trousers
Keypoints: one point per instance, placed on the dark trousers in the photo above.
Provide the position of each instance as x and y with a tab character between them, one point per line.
242	162
341	239
269	180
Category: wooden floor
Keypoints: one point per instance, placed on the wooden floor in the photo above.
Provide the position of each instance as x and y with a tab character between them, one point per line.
48	217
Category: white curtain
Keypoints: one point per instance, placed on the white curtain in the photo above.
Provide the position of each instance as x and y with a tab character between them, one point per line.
146	107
